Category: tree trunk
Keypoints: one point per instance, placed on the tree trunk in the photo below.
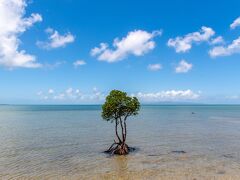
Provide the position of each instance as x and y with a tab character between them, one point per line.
125	129
116	130
120	148
123	137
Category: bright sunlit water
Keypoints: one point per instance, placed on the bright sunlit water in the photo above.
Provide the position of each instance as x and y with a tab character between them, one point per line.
54	142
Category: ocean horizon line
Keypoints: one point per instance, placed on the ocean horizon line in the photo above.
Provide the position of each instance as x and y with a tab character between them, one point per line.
150	104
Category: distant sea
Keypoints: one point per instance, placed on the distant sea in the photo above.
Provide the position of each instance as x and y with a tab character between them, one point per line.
171	141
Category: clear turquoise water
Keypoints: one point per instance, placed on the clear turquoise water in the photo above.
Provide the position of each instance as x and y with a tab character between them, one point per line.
66	141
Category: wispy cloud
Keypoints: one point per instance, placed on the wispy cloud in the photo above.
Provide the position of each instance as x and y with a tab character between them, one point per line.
183	67
137	43
98	50
12	24
233	97
55	40
54	65
50	91
217	40
79	63
154	67
184	44
235	23
71	95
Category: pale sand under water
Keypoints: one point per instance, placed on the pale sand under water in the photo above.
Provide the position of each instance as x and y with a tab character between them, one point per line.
67	142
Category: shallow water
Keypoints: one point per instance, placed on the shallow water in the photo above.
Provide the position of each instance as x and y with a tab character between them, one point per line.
66	142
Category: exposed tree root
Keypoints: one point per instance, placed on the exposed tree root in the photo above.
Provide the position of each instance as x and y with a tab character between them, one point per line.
111	147
119	149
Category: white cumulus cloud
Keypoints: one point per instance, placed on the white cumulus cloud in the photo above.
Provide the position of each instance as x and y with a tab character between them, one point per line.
170	95
183	44
12	24
136	43
183	67
228	50
55	40
79	63
154	67
235	23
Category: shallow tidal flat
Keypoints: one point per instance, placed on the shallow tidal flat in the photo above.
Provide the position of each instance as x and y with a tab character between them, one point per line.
172	142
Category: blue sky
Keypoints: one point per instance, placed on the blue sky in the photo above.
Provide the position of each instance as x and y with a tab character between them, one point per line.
75	52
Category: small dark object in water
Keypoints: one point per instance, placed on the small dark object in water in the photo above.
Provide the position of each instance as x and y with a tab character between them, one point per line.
221	172
193	112
228	156
179	152
131	149
154	154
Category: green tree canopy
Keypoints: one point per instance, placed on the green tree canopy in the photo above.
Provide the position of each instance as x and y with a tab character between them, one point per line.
118	105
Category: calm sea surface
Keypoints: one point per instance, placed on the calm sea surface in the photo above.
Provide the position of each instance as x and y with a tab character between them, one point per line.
66	142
